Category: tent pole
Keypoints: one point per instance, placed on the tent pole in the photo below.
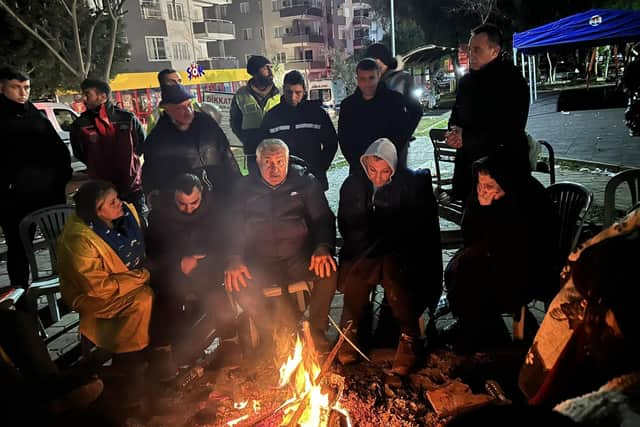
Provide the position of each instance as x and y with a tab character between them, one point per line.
524	74
515	56
535	79
530	80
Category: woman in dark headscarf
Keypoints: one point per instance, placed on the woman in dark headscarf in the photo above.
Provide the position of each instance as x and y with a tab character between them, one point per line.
510	230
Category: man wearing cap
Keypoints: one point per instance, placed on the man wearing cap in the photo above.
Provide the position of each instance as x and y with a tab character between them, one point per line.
249	105
105	138
170	77
304	126
185	141
388	218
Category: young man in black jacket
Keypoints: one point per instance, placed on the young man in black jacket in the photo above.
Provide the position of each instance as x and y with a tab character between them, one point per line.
304	126
373	111
35	166
105	138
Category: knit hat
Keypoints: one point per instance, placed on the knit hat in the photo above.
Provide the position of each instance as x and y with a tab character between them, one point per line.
380	51
383	148
255	63
174	94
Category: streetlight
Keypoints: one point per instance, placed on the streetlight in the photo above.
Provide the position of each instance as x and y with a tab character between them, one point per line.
393	31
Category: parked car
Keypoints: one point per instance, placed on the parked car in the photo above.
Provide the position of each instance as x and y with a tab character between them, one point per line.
61	117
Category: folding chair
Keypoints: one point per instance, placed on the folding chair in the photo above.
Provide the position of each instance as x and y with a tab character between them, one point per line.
450	210
632	178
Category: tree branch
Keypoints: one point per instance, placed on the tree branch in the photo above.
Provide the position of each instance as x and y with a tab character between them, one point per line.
38	37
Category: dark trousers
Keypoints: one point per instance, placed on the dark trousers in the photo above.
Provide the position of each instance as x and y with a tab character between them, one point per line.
285	272
186	307
359	277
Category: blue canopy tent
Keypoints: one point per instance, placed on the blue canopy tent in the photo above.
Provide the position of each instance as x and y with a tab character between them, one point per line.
595	27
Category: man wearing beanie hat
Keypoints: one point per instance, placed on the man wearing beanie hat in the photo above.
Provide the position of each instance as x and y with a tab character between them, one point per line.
249	105
304	126
389	221
186	141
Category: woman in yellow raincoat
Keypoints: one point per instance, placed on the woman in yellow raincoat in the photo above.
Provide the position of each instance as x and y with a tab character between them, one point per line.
100	263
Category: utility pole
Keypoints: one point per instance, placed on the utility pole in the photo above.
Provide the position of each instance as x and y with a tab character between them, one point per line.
393	31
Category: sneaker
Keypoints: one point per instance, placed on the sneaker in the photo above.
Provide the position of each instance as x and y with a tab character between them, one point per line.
78	398
405	358
347	354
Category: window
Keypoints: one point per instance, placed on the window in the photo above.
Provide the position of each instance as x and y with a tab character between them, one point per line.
223	11
150	9
156	48
281	57
274	5
65	118
202	52
341	32
247	34
278	32
180	51
244	7
308	55
175	11
261	33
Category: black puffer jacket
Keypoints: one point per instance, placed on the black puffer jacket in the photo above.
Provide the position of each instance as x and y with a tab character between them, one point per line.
308	131
492	105
35	164
169	152
363	121
280	223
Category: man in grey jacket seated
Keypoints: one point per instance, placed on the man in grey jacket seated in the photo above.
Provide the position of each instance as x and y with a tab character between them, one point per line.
283	232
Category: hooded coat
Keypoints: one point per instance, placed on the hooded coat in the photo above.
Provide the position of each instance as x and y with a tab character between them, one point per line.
510	247
398	219
114	302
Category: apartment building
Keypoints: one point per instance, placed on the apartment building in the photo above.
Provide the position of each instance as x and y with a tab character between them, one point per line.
177	33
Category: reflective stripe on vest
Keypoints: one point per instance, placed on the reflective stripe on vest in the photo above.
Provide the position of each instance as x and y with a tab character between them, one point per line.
252	114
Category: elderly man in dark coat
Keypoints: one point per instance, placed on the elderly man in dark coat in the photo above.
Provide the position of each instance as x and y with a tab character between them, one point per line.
283	232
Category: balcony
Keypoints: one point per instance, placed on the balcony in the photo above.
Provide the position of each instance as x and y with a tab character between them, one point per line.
301	8
214	29
206	3
299	38
304	64
219	63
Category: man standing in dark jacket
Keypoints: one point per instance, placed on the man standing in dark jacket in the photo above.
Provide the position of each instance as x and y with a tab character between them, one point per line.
185	141
491	109
304	126
35	166
373	111
105	138
389	220
249	105
186	242
283	232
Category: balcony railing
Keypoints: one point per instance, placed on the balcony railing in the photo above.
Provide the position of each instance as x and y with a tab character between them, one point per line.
206	3
361	21
215	29
304	64
218	63
308	8
360	42
295	38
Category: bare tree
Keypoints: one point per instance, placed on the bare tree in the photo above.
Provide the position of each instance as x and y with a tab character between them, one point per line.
483	9
77	56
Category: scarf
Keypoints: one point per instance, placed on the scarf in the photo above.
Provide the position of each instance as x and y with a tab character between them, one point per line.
125	238
103	123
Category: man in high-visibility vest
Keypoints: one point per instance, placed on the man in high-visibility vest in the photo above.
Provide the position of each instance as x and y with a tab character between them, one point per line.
249	105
